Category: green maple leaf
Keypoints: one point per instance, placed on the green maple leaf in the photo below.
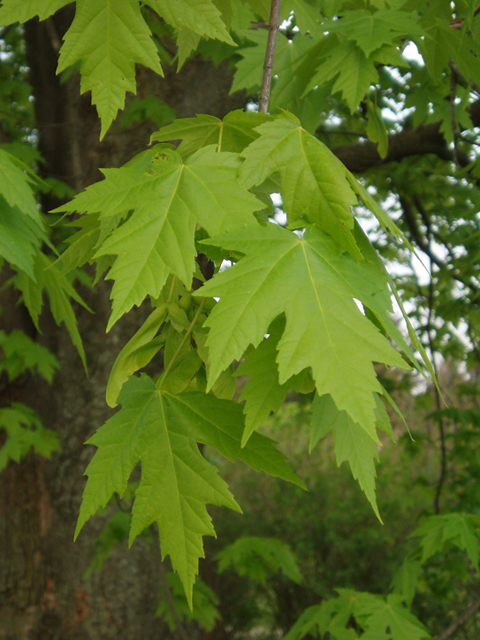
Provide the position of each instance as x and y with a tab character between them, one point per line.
314	183
235	133
108	37
200	16
306	16
24	431
23	10
454	527
168	201
389	614
15	187
314	283
59	291
262	391
162	431
354	73
21	353
187	42
352	443
372	30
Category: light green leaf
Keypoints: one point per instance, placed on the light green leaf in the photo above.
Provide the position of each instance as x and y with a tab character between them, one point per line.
306	17
15	188
23	10
162	432
372	30
168	201
235	133
309	279
200	16
314	184
354	73
262	391
19	238
108	37
187	41
352	443
136	354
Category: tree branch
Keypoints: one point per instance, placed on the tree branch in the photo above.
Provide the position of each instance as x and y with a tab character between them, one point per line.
361	156
455	626
273	28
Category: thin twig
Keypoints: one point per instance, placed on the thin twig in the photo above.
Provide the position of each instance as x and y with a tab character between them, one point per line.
453	120
455	626
273	28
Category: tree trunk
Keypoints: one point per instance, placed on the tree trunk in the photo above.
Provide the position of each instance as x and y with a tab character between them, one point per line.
44	594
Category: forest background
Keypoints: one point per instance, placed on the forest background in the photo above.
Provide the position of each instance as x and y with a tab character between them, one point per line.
255	187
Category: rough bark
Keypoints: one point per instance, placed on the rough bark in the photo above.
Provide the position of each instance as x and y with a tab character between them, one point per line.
44	594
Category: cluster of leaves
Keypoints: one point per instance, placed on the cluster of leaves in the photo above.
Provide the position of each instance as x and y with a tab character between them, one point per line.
303	308
287	308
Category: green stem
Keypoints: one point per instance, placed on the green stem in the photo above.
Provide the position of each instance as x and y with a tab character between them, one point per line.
182	342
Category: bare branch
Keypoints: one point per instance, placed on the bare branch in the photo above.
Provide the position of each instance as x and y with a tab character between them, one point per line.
455	626
273	27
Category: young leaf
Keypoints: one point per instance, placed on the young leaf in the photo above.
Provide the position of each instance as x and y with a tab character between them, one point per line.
354	73
136	354
262	391
161	431
168	201
23	10
372	30
351	442
314	184
200	16
234	133
310	279
108	38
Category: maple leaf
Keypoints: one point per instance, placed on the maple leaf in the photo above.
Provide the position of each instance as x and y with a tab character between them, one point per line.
314	283
162	431
59	291
235	133
351	443
168	201
108	37
24	431
355	73
372	30
314	183
388	614
262	391
457	528
200	16
23	10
